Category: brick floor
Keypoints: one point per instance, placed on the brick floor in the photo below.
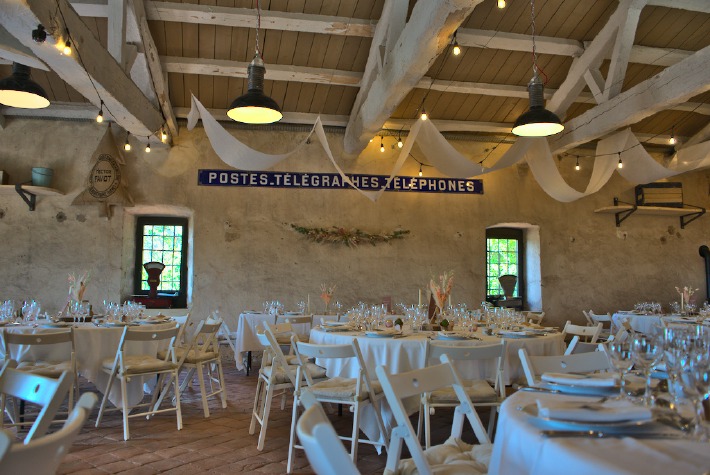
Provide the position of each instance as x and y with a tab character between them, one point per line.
218	444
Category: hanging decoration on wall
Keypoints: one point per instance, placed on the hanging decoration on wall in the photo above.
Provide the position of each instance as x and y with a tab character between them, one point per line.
105	184
349	237
640	167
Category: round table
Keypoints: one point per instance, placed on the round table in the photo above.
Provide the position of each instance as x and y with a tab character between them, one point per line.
520	449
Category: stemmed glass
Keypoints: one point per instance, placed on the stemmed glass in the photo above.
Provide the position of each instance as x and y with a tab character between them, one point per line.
621	358
645	353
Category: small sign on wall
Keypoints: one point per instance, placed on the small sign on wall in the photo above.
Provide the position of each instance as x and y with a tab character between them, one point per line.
333	181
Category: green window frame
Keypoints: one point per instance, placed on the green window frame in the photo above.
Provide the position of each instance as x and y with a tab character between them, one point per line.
504	255
163	239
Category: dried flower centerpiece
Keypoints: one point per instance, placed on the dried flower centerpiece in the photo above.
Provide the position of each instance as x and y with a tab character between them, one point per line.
685	294
327	295
440	291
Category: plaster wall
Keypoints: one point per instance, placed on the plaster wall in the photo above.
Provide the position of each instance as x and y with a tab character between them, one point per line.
244	251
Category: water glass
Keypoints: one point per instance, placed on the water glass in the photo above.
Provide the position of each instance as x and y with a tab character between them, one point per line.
646	352
621	358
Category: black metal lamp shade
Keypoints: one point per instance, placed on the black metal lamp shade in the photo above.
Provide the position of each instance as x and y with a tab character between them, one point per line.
255	107
18	90
537	121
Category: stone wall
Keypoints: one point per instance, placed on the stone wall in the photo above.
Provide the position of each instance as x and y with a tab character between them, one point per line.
244	252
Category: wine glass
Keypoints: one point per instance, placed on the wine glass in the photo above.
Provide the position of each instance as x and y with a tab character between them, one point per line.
621	358
646	352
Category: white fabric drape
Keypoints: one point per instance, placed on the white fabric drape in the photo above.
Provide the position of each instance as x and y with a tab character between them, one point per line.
639	166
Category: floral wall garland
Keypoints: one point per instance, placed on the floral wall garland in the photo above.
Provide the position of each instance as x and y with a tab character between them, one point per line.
349	237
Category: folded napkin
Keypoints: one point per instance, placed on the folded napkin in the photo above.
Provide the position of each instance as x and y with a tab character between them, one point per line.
596	380
518	333
608	411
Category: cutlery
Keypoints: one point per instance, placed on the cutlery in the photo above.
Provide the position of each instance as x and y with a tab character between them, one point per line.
598	434
532	389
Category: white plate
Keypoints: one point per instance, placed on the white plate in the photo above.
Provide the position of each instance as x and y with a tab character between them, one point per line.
336	324
115	324
56	325
151	322
582	390
505	334
442	335
531	410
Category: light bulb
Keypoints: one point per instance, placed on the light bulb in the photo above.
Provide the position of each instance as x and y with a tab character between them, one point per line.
127	146
163	136
371	140
424	115
457	49
577	167
420	169
147	148
501	3
672	140
400	144
67	48
620	164
100	117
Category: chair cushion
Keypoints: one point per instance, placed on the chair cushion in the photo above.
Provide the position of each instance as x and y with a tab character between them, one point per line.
137	364
453	457
478	390
45	368
193	355
315	371
341	388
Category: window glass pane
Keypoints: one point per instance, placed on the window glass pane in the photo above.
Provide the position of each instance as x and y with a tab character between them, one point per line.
502	257
161	245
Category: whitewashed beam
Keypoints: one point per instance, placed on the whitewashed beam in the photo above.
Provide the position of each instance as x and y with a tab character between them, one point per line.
700	136
427	33
592	57
246	18
13	51
91	8
518	42
301	118
126	103
274	72
157	74
56	110
622	47
691	5
397	20
671	86
595	83
116	36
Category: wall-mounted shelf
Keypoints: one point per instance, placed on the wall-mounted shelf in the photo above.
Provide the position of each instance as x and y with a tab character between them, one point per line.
29	193
621	211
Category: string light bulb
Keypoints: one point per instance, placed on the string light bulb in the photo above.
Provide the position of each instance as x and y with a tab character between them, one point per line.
577	167
382	144
457	49
620	165
420	170
424	115
67	47
501	3
147	146
672	140
100	116
127	145
163	135
400	144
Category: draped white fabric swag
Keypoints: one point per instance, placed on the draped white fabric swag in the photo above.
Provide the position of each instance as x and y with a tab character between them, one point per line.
639	166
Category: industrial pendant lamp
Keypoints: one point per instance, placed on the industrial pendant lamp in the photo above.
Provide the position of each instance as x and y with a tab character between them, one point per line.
255	107
537	121
18	90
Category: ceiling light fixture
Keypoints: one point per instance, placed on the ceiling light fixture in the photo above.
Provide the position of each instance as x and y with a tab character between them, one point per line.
501	3
424	115
457	49
400	144
620	165
163	135
18	90
382	144
672	140
147	146
420	169
39	35
127	145
100	117
67	47
577	167
537	121
255	107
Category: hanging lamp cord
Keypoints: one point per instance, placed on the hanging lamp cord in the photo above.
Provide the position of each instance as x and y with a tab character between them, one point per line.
258	27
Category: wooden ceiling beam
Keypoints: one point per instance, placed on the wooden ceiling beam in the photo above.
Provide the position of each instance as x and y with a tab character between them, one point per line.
425	35
621	52
94	70
671	86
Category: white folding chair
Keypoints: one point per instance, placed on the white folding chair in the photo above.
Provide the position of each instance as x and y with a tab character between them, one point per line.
45	393
534	317
535	366
480	391
576	346
58	348
590	334
127	366
43	455
304	322
325	452
608	327
202	352
276	376
228	336
468	459
355	392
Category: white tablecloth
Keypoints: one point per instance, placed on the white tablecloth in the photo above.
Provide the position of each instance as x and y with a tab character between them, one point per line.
519	449
647	324
405	354
248	325
92	345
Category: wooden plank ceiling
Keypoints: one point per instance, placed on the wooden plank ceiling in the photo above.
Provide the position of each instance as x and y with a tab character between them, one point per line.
485	84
